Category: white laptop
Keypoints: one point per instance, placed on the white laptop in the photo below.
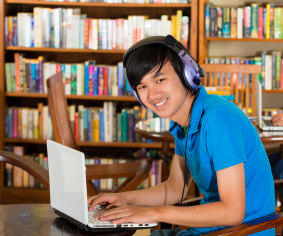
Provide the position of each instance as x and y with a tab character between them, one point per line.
264	123
68	193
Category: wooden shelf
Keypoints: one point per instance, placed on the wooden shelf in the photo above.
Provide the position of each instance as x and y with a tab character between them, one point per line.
91	144
244	40
272	91
76	97
101	4
63	50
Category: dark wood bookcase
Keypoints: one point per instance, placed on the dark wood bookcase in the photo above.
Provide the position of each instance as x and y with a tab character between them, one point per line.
97	10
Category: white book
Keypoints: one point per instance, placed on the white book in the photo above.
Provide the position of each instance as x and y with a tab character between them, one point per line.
94	34
75	31
120	33
164	19
30	124
45	122
46	21
109	34
126	34
81	36
69	28
130	31
81	122
72	113
80	79
35	124
38	35
57	19
20	27
106	110
114	81
27	29
240	19
268	72
24	123
115	35
68	79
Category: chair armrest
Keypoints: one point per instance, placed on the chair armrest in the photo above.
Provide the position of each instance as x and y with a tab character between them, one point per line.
28	165
278	183
190	202
253	226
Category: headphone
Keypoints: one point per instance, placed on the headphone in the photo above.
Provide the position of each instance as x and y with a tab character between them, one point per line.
192	71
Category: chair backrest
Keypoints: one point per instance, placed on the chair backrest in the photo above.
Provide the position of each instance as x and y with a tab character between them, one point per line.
237	80
58	108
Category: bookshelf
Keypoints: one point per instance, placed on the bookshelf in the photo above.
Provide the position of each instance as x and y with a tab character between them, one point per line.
241	47
70	55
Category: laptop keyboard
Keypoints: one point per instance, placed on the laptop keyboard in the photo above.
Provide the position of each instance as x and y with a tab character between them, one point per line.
267	122
92	216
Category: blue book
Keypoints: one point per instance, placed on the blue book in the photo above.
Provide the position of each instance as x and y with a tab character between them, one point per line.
101	125
89	127
95	81
86	78
33	77
10	117
85	124
37	77
120	78
96	182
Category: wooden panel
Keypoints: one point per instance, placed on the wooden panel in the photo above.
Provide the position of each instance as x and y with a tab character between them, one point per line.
24	195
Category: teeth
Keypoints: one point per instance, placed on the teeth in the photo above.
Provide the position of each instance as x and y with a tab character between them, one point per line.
161	103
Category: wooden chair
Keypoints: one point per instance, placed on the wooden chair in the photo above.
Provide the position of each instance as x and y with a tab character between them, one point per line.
134	171
28	165
233	80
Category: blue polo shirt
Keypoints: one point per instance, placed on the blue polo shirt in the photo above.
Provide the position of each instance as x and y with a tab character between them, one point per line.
220	136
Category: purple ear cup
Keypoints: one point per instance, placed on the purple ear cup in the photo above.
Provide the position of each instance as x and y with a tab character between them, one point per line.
192	72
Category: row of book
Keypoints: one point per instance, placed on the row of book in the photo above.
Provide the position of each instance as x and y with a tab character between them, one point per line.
254	21
86	78
97	124
17	177
68	28
127	1
271	76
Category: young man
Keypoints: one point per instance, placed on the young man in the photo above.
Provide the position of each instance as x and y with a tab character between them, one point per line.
215	143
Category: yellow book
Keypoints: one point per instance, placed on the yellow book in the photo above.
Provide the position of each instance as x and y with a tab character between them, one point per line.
95	125
174	26
267	20
179	24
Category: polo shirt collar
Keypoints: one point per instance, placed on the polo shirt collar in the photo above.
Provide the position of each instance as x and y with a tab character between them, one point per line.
196	114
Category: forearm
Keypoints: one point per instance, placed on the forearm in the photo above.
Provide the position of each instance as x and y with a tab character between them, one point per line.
206	215
162	194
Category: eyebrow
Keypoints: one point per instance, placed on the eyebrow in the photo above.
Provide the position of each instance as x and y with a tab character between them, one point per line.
157	74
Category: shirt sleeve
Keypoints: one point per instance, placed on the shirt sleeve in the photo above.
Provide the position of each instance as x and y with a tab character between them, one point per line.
225	136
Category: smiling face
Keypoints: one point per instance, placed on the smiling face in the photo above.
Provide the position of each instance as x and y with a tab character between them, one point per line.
164	94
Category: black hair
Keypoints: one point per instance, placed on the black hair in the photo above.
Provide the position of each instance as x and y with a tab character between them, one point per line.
153	56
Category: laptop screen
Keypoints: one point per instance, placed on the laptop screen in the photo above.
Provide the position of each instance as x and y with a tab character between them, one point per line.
68	192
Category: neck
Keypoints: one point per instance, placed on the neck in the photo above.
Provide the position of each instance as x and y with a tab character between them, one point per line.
184	118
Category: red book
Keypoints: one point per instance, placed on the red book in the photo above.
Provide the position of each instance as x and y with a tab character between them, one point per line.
100	80
86	31
18	75
260	23
58	68
281	75
105	83
77	126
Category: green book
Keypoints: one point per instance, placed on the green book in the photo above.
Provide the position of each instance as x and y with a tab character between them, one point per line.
124	119
118	127
74	79
277	23
8	77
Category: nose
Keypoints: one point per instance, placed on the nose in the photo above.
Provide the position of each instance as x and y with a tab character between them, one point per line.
152	93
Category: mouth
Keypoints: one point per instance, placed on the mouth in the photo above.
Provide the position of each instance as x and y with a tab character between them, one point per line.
161	103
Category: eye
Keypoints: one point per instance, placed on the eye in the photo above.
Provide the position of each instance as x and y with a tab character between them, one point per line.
160	80
140	87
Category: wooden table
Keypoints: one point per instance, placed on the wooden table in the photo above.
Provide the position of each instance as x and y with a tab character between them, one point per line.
39	219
